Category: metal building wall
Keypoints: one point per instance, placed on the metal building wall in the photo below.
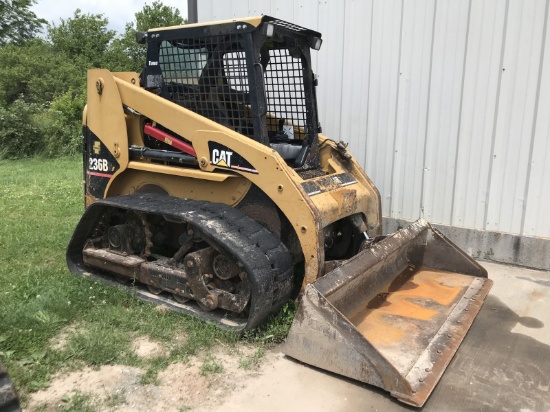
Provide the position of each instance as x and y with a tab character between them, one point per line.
446	104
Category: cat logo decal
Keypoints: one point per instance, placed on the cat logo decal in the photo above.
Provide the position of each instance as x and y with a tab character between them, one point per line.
224	157
221	157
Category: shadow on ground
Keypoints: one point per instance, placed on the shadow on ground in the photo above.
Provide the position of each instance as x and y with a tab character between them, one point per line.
537	281
495	368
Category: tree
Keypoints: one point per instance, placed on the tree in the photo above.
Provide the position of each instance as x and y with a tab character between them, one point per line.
157	15
20	134
43	81
151	16
17	22
35	73
42	94
84	38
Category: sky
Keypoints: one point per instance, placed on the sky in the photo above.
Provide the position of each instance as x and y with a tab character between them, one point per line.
119	12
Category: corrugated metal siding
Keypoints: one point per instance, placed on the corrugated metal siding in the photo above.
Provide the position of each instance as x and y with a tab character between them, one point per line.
412	120
537	216
446	104
482	77
383	94
514	125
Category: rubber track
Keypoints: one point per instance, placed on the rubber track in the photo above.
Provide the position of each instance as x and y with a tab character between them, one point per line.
266	260
9	402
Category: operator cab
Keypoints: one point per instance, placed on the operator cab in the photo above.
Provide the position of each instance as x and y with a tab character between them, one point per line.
253	76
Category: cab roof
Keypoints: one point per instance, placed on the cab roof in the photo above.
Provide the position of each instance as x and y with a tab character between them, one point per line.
255	22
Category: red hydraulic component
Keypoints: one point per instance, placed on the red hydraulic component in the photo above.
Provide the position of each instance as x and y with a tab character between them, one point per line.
164	137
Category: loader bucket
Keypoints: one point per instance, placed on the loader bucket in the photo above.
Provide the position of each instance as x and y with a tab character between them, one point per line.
393	315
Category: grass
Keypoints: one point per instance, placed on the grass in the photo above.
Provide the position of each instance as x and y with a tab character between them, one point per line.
82	402
41	202
79	402
115	400
254	360
211	365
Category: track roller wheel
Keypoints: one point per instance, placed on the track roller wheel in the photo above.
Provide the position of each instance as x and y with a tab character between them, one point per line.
180	298
236	271
154	290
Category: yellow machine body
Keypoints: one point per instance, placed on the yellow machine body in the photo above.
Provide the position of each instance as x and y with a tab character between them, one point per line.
345	190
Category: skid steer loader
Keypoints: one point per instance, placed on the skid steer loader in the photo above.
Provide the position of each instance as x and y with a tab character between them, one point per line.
211	190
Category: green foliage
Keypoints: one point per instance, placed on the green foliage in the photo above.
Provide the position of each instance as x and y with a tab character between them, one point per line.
151	16
275	329
84	38
157	15
17	22
20	134
62	124
43	82
211	365
99	345
254	360
14	73
29	129
70	104
36	73
78	402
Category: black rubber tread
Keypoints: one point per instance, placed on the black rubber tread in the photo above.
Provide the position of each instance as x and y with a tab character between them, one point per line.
265	258
9	402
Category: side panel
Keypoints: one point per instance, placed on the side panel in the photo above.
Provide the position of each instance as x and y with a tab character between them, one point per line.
229	191
99	166
106	136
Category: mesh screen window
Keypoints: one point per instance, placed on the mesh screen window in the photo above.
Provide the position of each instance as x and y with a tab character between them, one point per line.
285	95
209	76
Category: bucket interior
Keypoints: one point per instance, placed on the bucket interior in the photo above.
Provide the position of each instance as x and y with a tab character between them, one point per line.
401	320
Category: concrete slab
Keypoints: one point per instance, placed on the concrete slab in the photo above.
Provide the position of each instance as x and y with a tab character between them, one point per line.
503	363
